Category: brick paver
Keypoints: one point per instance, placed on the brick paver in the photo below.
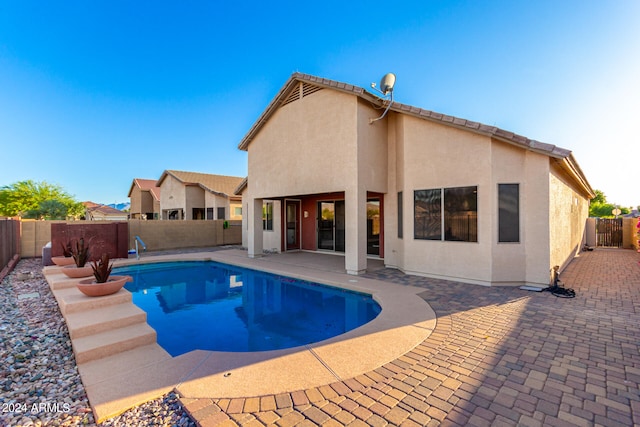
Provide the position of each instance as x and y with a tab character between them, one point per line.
498	356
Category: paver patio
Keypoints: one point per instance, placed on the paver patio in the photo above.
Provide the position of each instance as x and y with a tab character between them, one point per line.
497	357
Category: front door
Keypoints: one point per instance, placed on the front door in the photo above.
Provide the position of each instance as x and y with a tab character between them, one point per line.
292	224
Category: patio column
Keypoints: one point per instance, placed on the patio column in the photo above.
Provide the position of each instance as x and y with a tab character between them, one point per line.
254	232
355	204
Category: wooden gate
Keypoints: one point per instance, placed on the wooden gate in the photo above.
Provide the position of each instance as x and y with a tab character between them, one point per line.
609	232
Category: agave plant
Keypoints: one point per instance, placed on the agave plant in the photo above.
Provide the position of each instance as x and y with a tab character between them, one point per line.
102	269
66	249
80	252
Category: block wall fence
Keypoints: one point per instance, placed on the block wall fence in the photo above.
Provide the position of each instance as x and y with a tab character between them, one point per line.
157	235
167	235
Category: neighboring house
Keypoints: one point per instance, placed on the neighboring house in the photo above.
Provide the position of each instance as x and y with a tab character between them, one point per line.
431	194
144	196
192	195
98	212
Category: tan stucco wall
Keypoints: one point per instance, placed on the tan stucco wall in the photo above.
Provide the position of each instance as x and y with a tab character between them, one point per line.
308	146
135	202
436	156
194	198
173	194
142	202
568	213
509	165
425	155
394	246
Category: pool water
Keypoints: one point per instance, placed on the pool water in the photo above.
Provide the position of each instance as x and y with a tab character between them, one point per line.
207	305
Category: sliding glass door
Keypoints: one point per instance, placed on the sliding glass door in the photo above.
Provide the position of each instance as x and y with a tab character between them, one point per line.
331	225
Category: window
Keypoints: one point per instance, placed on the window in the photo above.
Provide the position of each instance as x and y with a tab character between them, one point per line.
400	224
508	213
221	213
452	211
267	216
461	214
427	214
209	213
237	211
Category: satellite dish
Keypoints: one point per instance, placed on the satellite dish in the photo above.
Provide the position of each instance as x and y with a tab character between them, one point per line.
386	88
387	82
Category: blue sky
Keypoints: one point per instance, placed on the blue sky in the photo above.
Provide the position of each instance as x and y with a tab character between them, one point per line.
96	93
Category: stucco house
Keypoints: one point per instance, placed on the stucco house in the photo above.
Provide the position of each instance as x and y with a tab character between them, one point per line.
431	194
98	212
144	197
199	196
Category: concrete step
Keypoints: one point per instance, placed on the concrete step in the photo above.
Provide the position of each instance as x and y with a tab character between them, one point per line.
89	322
99	370
59	280
71	300
108	343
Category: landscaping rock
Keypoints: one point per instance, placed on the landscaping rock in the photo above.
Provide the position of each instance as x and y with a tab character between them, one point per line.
39	380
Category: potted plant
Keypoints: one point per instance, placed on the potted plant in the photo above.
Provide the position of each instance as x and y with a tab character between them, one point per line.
67	255
102	283
80	253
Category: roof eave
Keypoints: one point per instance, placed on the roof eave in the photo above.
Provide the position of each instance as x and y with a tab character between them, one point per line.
241	187
571	166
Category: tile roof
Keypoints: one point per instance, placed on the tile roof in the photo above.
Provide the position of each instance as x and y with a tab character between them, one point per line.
103	209
220	184
550	150
150	185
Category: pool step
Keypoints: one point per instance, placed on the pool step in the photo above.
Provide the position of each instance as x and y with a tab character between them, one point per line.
89	322
113	341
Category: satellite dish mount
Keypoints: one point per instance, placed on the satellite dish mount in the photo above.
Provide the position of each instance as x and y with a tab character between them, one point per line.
386	89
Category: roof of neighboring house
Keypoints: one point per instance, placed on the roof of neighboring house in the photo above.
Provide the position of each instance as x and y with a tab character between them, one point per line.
240	188
292	90
96	208
150	185
218	184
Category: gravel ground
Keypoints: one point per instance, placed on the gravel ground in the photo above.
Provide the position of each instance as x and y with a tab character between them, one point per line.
39	380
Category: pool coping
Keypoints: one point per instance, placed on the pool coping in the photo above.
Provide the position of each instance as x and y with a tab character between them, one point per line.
405	321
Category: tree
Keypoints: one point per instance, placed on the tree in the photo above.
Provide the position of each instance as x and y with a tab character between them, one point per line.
601	209
48	209
37	200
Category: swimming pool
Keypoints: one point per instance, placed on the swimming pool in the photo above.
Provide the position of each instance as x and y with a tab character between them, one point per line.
208	305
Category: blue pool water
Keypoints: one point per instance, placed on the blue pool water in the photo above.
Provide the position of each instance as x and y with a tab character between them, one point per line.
207	305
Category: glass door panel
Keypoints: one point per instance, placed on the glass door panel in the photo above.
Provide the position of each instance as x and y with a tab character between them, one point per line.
340	224
326	213
293	231
373	227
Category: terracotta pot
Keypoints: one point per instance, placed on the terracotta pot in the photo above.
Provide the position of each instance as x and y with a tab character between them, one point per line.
76	272
90	288
62	260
